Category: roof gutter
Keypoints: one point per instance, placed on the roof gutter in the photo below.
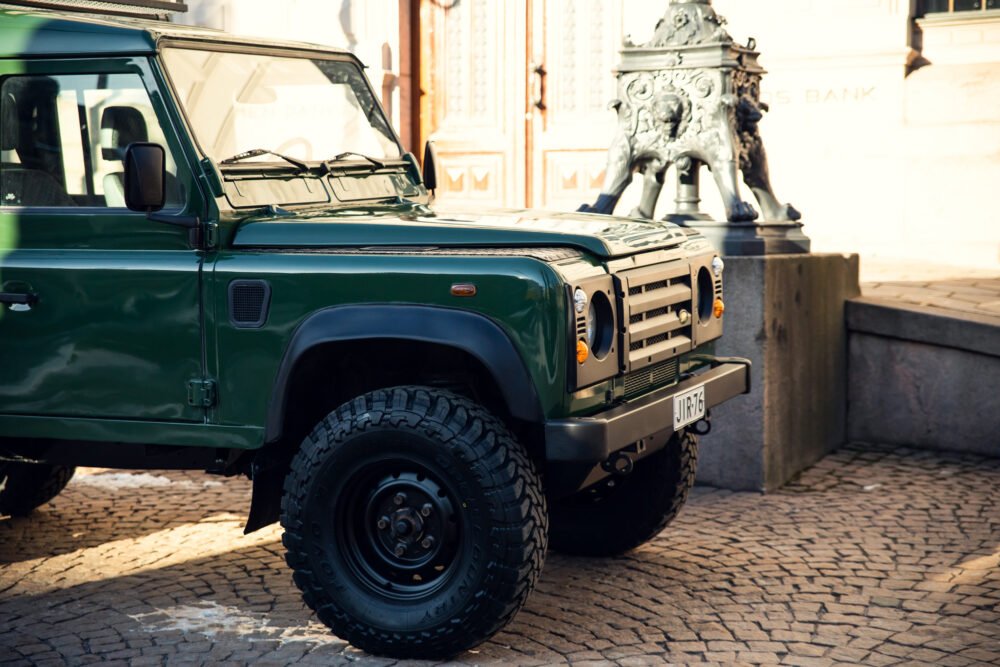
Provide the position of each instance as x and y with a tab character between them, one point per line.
133	8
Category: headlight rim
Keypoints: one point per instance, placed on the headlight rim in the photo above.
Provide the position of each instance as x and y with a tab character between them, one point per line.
603	341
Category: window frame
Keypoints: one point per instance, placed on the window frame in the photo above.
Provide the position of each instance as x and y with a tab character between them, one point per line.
138	65
277	51
951	12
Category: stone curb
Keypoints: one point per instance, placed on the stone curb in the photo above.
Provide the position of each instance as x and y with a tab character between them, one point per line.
924	324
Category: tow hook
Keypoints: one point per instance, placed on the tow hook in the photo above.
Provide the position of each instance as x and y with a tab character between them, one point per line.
620	464
703	426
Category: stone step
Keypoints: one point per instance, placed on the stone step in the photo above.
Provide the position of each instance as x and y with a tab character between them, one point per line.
924	365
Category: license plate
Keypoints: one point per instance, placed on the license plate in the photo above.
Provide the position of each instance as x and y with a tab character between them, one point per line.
689	407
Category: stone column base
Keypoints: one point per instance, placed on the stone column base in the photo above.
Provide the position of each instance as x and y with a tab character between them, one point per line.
786	314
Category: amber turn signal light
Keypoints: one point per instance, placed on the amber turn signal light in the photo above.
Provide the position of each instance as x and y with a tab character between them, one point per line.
464	290
719	308
582	352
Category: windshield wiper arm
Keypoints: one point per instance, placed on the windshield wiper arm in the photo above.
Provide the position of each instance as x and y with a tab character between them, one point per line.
257	152
378	164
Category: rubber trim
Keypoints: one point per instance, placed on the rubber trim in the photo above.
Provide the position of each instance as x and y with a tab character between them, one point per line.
472	333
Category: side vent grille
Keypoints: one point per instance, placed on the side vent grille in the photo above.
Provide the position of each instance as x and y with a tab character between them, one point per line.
249	302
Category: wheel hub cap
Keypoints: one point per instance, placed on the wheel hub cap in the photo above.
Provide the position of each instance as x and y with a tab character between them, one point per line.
401	528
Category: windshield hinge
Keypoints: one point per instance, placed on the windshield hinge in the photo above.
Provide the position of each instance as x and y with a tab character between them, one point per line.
210	175
201	393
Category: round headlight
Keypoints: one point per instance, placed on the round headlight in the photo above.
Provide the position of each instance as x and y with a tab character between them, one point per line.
580	300
718	266
706	296
600	325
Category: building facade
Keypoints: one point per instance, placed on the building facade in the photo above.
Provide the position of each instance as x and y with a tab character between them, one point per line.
882	128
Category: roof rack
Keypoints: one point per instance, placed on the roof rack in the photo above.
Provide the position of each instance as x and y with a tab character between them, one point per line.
140	8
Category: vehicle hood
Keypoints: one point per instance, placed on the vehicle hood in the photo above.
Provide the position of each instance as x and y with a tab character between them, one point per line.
601	235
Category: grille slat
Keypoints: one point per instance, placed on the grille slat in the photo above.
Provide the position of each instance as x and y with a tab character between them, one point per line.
655	352
650	299
651	326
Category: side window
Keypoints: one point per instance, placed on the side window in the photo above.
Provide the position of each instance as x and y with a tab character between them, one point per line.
64	139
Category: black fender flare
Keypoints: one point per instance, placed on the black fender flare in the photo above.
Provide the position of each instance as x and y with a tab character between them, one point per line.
475	334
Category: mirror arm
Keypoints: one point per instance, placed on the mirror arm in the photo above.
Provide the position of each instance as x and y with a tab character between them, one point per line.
192	223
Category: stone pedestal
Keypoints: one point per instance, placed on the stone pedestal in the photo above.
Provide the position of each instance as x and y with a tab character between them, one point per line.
786	314
750	238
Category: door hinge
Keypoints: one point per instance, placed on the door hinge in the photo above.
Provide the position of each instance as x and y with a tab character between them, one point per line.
211	235
201	393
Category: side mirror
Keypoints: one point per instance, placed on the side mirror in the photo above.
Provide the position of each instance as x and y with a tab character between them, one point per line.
145	180
430	166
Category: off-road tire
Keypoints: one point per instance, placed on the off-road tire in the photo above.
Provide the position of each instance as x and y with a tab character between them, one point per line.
484	480
609	521
26	486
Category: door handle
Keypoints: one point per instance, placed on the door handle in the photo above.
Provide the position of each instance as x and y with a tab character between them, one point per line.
538	92
19	302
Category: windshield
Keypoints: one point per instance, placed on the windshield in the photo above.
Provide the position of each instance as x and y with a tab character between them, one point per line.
309	109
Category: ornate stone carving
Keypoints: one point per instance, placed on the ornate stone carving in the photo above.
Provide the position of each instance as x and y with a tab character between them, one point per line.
688	23
691	96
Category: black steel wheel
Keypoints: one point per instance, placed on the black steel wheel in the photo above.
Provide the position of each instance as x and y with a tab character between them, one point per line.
626	512
27	486
414	523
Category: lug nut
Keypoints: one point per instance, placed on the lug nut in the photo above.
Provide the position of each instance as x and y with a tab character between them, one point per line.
400	549
426	509
383	523
399	499
427	542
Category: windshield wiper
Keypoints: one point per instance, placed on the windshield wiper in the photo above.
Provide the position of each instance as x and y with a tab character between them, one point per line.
378	164
257	152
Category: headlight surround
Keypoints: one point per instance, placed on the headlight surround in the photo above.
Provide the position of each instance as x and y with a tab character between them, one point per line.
594	326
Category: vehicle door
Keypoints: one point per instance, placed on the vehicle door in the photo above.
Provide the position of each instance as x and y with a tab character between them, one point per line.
100	313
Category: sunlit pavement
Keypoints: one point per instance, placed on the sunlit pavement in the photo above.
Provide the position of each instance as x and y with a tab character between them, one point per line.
874	556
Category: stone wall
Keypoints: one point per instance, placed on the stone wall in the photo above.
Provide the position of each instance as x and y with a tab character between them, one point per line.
923	376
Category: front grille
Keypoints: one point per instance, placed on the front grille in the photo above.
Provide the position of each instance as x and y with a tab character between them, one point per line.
660	313
657	375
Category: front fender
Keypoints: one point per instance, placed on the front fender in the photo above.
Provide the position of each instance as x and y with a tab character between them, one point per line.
475	334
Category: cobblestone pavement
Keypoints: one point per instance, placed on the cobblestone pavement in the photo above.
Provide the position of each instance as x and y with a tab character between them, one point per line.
964	297
874	556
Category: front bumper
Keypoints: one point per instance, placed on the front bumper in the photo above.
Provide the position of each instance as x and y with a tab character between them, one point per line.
637	428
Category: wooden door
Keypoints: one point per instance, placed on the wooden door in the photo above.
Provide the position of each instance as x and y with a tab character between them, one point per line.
576	44
473	56
516	97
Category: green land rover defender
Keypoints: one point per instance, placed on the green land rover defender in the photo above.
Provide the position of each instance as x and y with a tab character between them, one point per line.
215	255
